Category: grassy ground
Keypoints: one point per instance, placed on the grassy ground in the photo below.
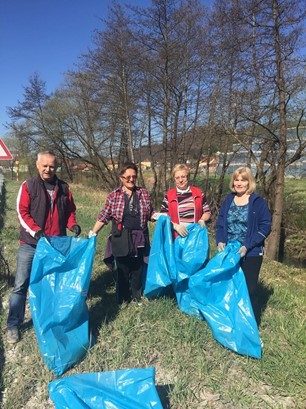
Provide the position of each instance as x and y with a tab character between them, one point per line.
193	371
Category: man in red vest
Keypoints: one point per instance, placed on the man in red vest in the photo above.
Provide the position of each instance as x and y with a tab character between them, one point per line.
45	207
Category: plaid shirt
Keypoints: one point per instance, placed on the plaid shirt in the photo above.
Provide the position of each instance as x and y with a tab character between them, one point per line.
114	206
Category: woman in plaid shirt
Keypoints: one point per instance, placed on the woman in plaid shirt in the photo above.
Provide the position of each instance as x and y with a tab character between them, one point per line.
130	208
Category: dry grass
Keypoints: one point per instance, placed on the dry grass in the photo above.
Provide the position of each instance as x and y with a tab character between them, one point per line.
193	371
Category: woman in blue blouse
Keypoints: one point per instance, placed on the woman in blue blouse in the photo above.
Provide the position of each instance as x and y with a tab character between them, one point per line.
245	217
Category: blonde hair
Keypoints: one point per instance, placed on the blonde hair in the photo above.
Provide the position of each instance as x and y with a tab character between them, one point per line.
180	166
246	174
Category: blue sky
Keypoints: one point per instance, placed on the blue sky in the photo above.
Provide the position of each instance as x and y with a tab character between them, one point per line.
47	37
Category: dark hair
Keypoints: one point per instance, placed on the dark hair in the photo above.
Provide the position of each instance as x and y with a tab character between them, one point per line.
126	166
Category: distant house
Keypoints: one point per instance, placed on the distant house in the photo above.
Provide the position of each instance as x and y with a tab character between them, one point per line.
145	165
82	167
209	161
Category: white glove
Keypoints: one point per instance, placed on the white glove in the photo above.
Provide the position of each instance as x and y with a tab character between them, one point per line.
91	234
242	251
180	229
221	246
201	222
157	215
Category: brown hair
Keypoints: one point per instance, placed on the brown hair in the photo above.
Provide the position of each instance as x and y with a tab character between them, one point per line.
246	174
126	166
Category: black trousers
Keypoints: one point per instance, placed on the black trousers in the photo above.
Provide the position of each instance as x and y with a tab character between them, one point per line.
129	277
251	268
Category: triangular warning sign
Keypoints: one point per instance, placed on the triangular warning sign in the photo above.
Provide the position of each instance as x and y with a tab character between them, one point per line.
5	154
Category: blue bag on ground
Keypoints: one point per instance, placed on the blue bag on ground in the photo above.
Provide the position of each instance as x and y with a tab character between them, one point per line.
222	298
59	283
122	389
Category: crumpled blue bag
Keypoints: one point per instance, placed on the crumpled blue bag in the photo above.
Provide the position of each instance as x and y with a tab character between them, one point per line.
59	284
216	292
122	389
161	271
191	253
222	297
172	263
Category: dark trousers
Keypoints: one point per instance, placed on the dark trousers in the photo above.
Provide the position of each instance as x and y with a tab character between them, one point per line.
251	268
129	277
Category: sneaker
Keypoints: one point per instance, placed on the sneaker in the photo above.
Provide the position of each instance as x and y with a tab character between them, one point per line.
12	335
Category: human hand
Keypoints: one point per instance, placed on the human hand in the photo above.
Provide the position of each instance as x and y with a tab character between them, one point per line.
201	222
91	234
180	229
39	234
242	251
76	229
221	246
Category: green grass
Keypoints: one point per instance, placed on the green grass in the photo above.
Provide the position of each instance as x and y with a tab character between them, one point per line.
192	369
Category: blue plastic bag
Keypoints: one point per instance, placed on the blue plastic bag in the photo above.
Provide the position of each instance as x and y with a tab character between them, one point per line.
222	297
122	389
170	263
161	271
59	283
191	253
216	292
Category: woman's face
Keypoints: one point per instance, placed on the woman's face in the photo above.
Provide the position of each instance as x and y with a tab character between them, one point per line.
181	179
241	185
128	179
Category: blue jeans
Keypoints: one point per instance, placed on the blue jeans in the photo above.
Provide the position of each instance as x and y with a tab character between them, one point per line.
18	297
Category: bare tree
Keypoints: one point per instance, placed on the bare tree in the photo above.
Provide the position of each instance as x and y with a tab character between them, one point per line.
269	89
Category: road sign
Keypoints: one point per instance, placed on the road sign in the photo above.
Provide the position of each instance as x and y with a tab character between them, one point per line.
5	154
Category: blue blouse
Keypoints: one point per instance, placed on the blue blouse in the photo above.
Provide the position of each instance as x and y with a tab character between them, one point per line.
237	220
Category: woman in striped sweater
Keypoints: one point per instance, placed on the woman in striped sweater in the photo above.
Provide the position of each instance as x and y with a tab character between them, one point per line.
184	204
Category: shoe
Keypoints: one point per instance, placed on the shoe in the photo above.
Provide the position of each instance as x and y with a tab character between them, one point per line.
12	335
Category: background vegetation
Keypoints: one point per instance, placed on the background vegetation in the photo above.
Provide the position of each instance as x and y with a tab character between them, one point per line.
192	369
174	82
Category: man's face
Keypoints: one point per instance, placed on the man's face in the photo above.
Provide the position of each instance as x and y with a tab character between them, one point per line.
46	166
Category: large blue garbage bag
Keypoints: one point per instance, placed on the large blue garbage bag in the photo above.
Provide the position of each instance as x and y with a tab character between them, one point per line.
216	292
59	283
170	263
191	253
122	389
161	271
222	298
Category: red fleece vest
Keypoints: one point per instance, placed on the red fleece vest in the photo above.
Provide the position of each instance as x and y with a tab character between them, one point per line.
173	204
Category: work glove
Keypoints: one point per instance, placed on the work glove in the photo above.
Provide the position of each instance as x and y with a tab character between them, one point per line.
242	251
221	246
39	234
91	234
201	222
180	229
76	229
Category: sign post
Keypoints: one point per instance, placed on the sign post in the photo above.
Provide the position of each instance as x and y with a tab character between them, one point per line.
5	154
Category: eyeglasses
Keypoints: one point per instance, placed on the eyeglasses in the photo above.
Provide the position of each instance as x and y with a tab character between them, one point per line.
129	177
180	177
